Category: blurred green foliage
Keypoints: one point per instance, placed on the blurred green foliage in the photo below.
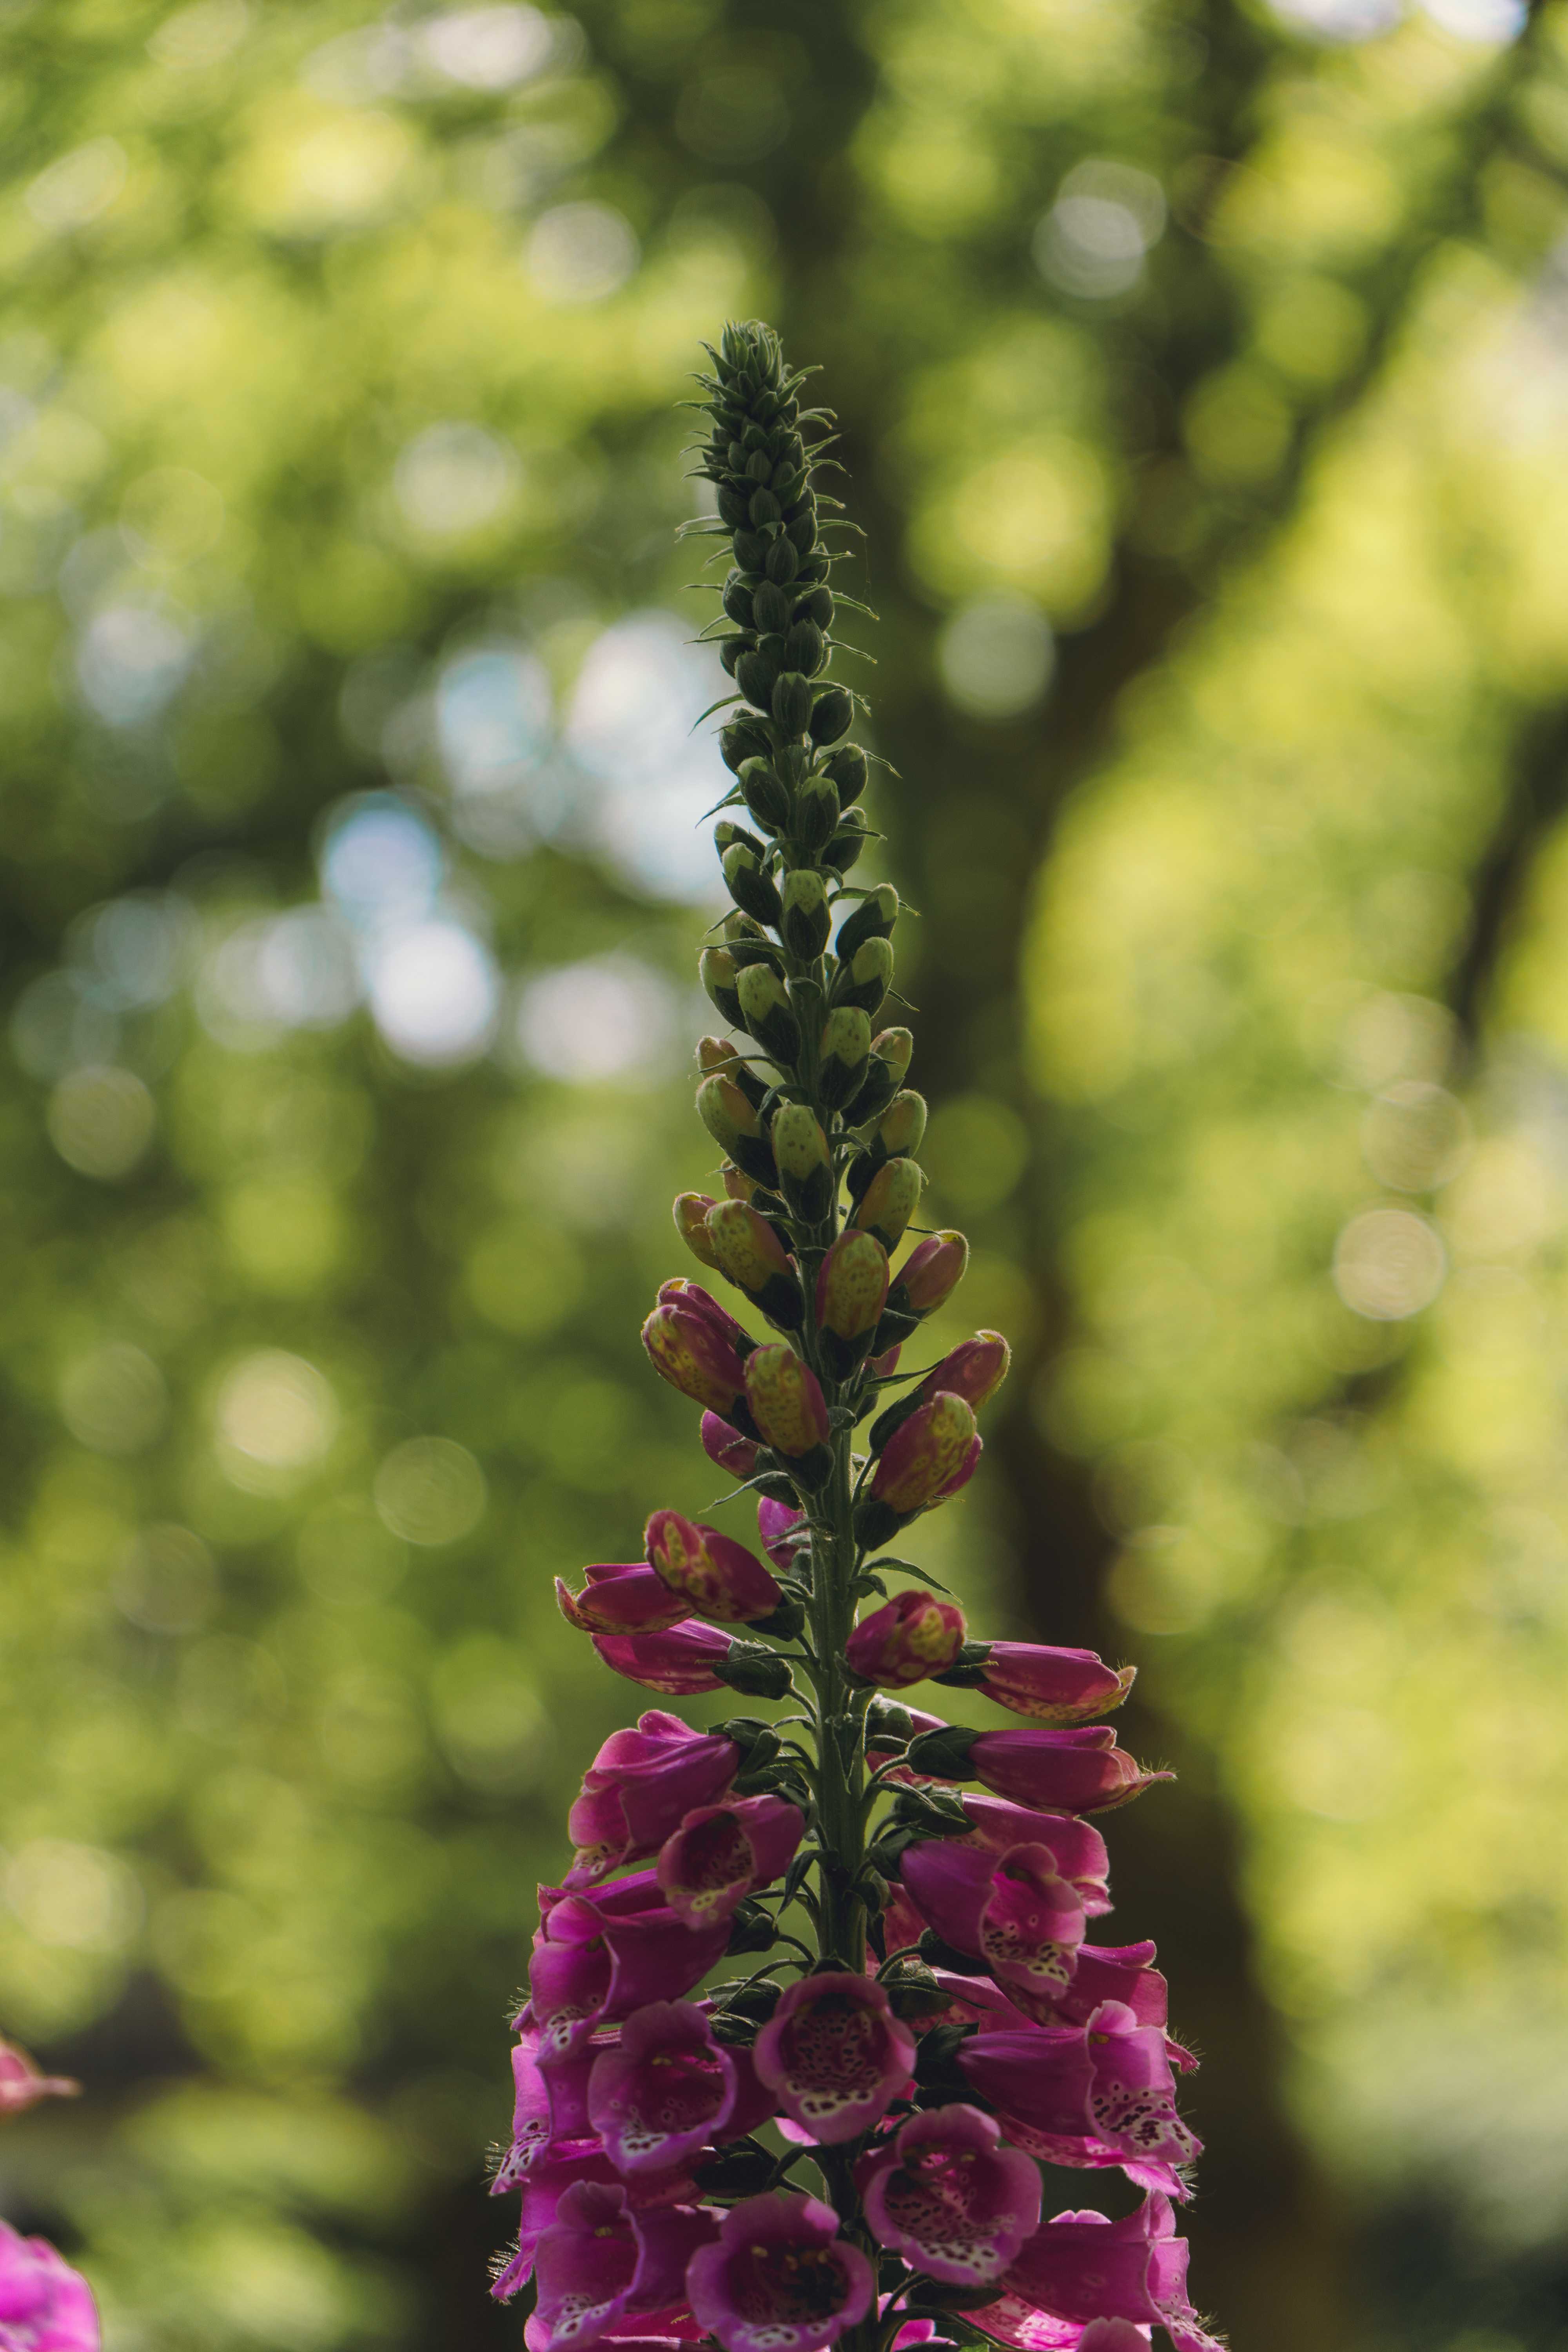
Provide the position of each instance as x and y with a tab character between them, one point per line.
1203	374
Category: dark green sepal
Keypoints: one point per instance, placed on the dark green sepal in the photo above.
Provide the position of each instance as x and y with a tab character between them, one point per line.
880	1085
831	714
764	792
847	767
896	1326
754	1670
844	849
750	888
941	1955
873	919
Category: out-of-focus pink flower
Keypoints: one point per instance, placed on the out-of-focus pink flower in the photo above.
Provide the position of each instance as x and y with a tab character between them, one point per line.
640	1787
1014	1910
678	1662
780	2278
603	2263
22	2086
1100	2094
709	1573
1081	2267
1052	1686
599	1958
663	2092
722	1853
629	1598
912	1637
835	2054
44	2306
948	2196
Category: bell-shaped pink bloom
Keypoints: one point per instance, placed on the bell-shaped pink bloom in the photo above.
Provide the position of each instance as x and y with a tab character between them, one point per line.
44	2306
787	1402
629	1599
663	2092
543	2186
1119	1972
678	1662
603	2263
1014	1910
1078	1846
834	2054
948	2196
1052	1686
1081	2267
783	1532
722	1853
640	1787
780	2278
1073	1771
725	1446
1100	2094
22	2086
549	2112
599	1958
913	1636
928	1456
711	1574
695	1346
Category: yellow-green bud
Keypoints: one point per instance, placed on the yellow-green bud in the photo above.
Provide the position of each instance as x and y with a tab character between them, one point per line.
717	968
842	1052
896	1047
901	1125
890	1201
873	919
767	1012
725	1113
749	1252
805	921
749	887
803	1162
691	1224
863	981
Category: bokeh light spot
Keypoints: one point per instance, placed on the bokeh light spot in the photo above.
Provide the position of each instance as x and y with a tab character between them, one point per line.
435	993
74	1896
114	1400
581	253
455	478
610	1016
101	1121
997	656
430	1490
276	1413
1388	1264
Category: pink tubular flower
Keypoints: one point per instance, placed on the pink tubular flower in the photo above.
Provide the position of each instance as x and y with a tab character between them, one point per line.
1052	1686
678	1662
727	1447
1078	1848
787	1402
783	1532
932	1271
692	1349
1099	2094
974	1371
780	2278
950	2198
640	1787
602	2263
630	1598
1076	1772
549	2112
543	2186
44	2306
1081	2267
599	1958
914	1636
22	2086
835	2054
1015	1910
721	1852
663	2092
928	1457
709	1573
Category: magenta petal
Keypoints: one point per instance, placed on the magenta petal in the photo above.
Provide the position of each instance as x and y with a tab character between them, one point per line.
1082	2267
1079	1847
1072	1771
656	2099
835	2054
680	1663
1031	1923
550	2108
950	2198
782	1530
44	2306
542	2189
721	1852
780	2278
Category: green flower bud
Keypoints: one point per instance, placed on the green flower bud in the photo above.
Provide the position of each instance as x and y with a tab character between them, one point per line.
737	601
864	979
805	921
771	606
749	1252
816	817
846	766
896	1047
805	1165
733	505
733	651
725	835
843	1051
816	606
764	795
749	886
719	1054
873	919
781	563
902	1125
848	843
751	549
806	648
754	1670
733	1124
742	739
767	1012
757	677
889	1201
691	1224
790	702
831	714
716	967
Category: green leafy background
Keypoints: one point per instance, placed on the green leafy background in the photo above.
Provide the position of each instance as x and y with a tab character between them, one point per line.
1204	375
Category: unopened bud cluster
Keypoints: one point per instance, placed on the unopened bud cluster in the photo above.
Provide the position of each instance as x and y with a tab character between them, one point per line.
910	1990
